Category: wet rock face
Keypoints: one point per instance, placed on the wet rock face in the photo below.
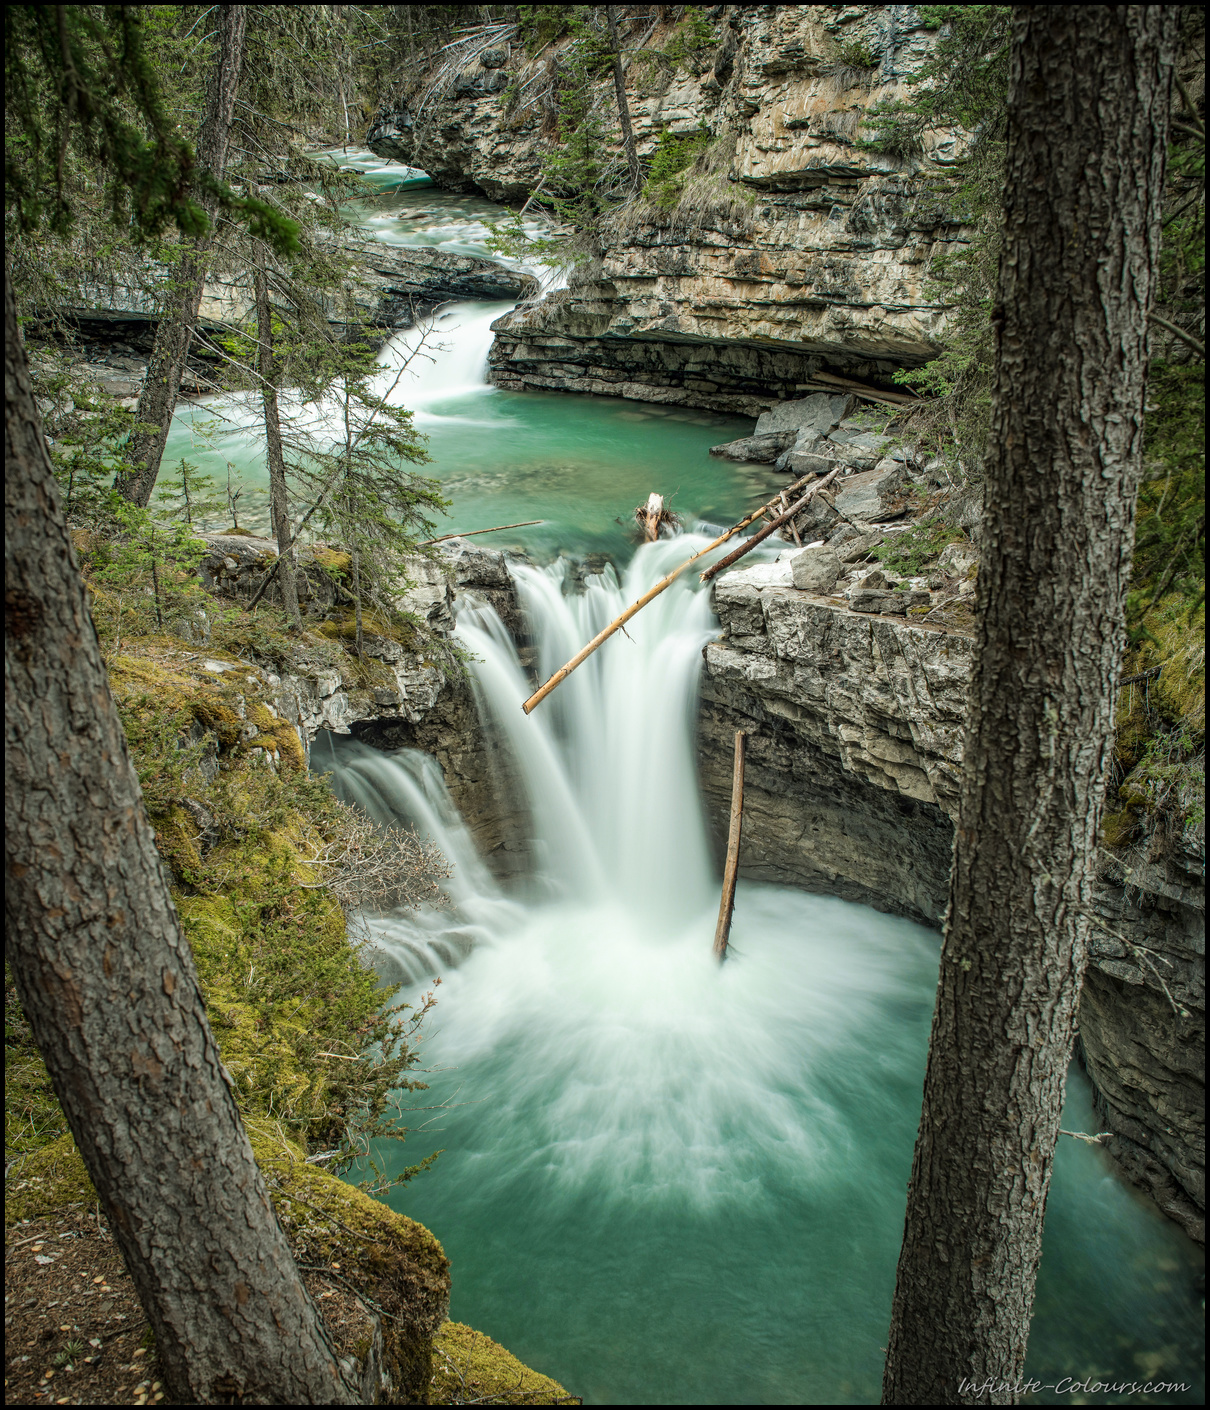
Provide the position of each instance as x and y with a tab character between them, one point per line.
428	707
855	725
1143	1041
802	250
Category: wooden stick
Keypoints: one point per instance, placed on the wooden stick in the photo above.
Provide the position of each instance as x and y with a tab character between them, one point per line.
564	671
730	871
761	534
793	525
524	524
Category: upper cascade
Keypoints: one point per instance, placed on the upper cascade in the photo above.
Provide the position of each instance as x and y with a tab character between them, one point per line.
792	246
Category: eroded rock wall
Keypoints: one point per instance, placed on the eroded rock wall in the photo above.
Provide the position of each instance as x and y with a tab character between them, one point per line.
799	250
855	724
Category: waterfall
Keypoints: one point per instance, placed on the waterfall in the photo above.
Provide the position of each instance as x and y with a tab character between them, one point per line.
444	359
605	762
606	951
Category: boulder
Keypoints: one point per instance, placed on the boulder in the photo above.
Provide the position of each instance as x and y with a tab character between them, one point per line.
958	559
764	448
818	414
886	603
816	570
871	495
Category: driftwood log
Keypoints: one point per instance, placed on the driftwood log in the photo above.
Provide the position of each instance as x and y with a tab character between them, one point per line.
618	622
722	930
772	526
652	515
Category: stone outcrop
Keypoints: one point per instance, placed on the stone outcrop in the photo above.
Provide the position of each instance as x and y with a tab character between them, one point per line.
415	281
794	248
1143	1023
403	697
117	319
855	734
843	709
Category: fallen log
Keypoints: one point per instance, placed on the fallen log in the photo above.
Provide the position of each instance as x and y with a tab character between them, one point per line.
774	524
722	930
863	389
618	622
524	524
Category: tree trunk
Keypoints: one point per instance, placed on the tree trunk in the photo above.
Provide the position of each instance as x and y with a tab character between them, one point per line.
1088	117
174	332
279	508
108	983
619	85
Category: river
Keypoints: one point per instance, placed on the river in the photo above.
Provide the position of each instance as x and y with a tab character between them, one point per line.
663	1181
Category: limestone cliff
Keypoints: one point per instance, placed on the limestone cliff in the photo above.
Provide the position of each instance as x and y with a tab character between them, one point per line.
793	250
855	723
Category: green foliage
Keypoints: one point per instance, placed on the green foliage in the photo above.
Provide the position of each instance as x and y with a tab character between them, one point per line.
367	498
964	83
187	497
86	431
673	156
1170	521
539	24
910	552
857	54
64	70
293	999
146	557
688	43
76	80
964	86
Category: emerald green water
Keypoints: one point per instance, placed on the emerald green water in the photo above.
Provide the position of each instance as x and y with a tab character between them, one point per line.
580	463
664	1182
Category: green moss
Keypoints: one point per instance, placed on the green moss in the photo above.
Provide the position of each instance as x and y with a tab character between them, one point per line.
910	552
50	1179
469	1367
32	1115
673	156
387	1256
334	560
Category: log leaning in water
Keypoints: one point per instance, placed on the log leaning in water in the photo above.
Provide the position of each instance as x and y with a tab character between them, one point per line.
564	671
761	534
731	869
466	533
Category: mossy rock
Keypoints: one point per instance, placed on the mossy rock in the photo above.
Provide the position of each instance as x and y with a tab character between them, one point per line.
470	1368
330	558
388	1257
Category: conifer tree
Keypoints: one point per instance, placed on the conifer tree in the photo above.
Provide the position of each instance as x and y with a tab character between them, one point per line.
1086	145
103	972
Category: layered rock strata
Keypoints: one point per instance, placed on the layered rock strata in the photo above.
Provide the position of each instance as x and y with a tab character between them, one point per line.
793	248
417	699
116	321
855	733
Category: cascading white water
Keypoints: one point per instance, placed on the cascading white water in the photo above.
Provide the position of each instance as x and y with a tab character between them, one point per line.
605	763
603	968
666	1181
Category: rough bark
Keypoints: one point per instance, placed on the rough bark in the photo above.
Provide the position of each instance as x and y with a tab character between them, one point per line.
108	983
1088	116
174	332
619	85
279	507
